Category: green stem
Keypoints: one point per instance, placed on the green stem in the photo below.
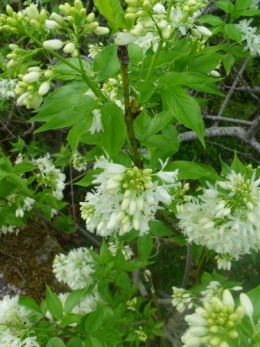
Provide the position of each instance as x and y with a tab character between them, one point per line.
201	262
128	115
155	57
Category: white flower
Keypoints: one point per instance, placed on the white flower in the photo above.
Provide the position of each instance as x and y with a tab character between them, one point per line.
97	125
94	49
75	269
182	299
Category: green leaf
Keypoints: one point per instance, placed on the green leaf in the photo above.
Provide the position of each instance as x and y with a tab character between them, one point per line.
197	251
145	246
237	165
94	320
108	336
241	5
212	20
73	299
135	264
205	61
228	62
35	312
21	168
254	296
185	109
124	282
159	122
114	128
146	90
60	114
93	342
75	341
225	5
64	72
141	125
191	170
68	319
55	342
233	32
158	228
88	178
54	304
106	63
76	132
135	54
112	11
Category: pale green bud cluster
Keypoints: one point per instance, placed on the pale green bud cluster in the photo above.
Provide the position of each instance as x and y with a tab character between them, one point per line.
137	179
32	86
17	22
191	6
77	16
138	8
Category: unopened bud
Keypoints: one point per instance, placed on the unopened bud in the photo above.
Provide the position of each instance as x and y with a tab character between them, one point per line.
92	26
101	31
90	17
65	9
42	16
214	73
124	38
51	25
78	4
9	10
31	77
131	10
69	48
82	13
204	31
166	32
54	44
35	24
58	19
32	12
133	3
44	88
75	53
191	3
147	5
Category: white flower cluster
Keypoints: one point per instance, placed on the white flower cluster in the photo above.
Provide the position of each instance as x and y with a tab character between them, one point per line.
225	218
74	269
33	85
22	204
94	49
216	323
250	36
12	313
7	88
153	20
182	299
125	198
79	162
255	5
115	246
50	176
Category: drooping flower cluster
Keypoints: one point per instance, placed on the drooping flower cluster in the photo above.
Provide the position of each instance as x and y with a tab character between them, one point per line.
22	204
49	176
225	218
125	198
217	322
249	34
7	88
115	246
74	269
12	313
79	162
182	299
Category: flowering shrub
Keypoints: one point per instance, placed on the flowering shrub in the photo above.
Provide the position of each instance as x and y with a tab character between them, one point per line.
128	99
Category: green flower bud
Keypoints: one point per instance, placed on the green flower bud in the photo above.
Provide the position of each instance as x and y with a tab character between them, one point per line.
42	16
101	31
186	8
58	19
130	19
32	12
166	32
133	3
78	4
54	44
69	48
9	10
11	56
90	17
147	5
233	334
44	88
35	24
52	25
191	3
83	13
65	9
11	21
215	341
131	10
75	53
92	26
48	74
34	68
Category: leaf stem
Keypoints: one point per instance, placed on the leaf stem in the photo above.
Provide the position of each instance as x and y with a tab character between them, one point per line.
123	59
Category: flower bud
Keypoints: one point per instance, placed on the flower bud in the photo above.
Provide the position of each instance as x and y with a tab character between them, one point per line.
78	4
233	334
204	31
69	48
82	13
58	19
166	32
214	73
32	12
159	9
9	10
42	16
191	3
54	44
51	25
11	21
124	38
131	10
90	17
21	99
101	31
75	53
133	3
147	5
44	88
247	305
48	74
215	341
31	77
92	26
35	24
65	9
